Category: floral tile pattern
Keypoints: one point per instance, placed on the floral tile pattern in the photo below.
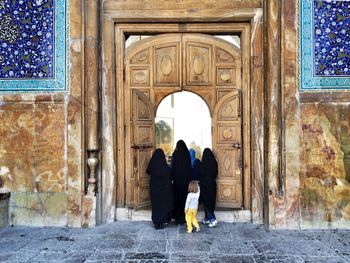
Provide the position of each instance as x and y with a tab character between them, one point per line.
332	38
33	45
324	44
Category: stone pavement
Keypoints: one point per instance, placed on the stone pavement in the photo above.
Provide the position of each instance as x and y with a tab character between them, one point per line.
138	242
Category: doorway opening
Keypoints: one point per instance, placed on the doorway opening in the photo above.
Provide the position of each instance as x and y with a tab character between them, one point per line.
201	66
183	116
207	68
140	77
234	39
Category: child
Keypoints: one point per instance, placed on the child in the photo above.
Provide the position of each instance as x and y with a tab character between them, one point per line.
191	206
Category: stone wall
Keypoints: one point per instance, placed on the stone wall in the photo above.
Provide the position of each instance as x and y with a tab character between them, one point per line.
316	149
4	207
42	137
325	165
41	142
324	124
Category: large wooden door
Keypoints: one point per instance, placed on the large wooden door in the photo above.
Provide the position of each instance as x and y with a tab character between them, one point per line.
203	64
227	142
143	143
213	70
151	67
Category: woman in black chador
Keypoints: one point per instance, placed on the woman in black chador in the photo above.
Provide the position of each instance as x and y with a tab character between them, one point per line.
181	171
208	174
161	189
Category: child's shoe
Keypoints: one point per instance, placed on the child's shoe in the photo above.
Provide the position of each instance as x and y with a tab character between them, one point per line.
198	229
189	232
213	223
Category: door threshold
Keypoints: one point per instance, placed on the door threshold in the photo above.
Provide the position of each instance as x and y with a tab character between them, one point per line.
129	214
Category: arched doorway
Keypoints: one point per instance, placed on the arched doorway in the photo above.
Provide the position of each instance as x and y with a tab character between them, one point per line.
183	116
205	65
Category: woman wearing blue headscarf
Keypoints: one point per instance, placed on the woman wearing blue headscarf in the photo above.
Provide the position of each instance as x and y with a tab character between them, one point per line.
192	155
195	165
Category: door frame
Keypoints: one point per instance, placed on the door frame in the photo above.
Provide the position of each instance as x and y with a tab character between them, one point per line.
156	94
113	39
233	28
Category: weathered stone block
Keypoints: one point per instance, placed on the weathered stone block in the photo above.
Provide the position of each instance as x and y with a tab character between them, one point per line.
39	209
4	207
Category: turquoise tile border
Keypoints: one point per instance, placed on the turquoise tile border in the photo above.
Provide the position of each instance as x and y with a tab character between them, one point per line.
308	81
60	81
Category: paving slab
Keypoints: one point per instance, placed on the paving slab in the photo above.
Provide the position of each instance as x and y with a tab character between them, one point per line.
139	242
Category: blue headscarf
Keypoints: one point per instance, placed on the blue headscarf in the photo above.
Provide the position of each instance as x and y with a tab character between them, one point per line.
193	156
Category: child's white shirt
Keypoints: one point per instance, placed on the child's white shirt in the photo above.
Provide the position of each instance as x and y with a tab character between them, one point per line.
192	200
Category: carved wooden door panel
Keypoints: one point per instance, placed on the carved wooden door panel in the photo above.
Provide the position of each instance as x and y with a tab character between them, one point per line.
212	69
152	70
143	146
227	144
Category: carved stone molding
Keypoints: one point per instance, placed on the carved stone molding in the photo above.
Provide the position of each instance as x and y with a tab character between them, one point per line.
274	110
92	71
92	162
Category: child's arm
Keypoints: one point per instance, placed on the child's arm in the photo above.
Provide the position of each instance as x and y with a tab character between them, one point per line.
197	194
187	202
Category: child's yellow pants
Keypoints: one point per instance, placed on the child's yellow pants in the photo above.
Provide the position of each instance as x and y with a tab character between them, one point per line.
191	219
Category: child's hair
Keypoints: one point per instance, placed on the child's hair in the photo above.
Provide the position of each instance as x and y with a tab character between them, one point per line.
193	187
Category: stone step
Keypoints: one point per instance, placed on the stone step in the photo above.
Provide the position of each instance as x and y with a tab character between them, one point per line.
129	214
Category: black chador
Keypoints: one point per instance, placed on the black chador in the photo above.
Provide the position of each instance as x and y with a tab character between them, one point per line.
161	189
181	171
208	174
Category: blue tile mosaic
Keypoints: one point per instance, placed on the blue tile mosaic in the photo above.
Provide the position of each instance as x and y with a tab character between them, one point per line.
324	44
33	45
331	38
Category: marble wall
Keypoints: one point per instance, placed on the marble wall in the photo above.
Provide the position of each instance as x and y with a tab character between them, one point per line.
324	118
4	206
316	166
41	145
325	165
